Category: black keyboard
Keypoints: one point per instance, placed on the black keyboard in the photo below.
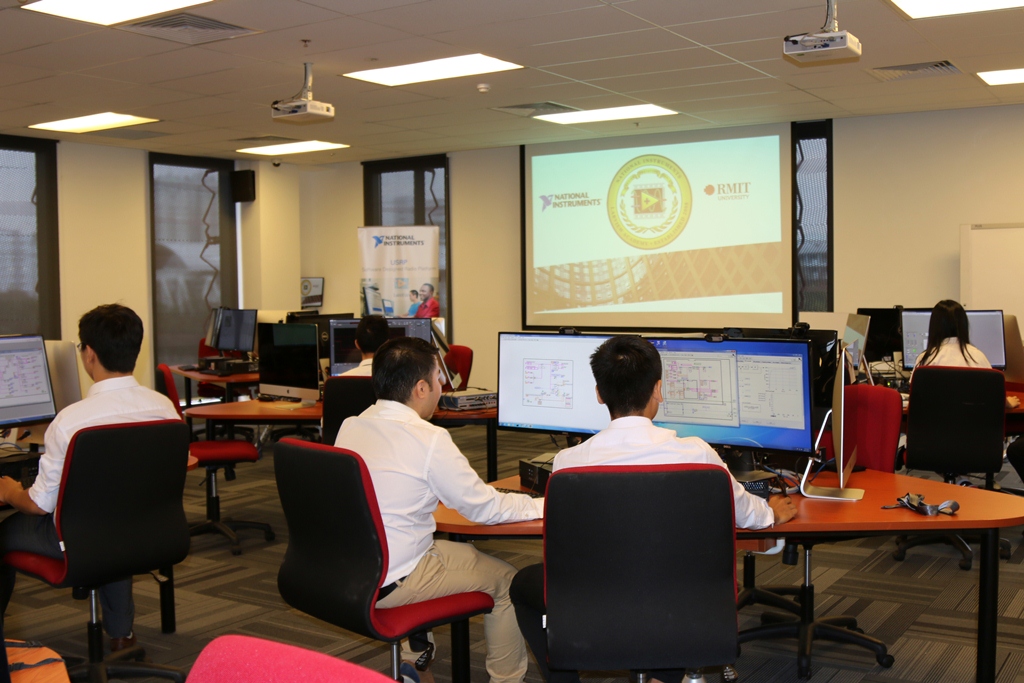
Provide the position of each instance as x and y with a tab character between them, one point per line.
531	494
217	373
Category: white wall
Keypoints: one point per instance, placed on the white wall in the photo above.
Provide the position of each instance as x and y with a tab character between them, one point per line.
485	252
103	205
904	184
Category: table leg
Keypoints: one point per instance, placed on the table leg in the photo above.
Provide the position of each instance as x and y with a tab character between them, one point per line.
188	393
167	615
460	651
988	606
492	450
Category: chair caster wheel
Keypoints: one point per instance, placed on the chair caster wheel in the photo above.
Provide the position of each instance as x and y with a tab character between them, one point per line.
269	536
966	564
899	554
729	674
886	660
236	550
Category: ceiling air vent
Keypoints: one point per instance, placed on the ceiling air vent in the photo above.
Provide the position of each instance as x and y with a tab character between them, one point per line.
188	28
536	109
267	139
922	70
127	134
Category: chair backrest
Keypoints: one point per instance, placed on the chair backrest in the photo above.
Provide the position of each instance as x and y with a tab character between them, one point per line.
337	548
343	398
956	420
640	567
243	659
459	359
164	383
119	510
873	417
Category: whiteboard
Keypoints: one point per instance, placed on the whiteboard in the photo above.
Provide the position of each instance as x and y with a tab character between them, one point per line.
992	267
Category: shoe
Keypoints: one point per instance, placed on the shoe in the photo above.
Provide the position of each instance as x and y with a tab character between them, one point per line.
122	643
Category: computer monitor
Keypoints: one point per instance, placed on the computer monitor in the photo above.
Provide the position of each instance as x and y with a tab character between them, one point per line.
855	335
884	335
236	330
1014	349
62	360
374	304
986	332
26	395
343	353
323	326
289	361
750	394
545	383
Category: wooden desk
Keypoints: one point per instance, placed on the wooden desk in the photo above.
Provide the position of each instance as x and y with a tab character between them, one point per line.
982	511
259	412
229	381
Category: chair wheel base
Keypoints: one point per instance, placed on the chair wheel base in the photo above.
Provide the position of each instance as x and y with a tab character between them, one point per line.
229	529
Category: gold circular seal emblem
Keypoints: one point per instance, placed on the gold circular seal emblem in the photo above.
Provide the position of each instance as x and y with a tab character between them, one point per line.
649	201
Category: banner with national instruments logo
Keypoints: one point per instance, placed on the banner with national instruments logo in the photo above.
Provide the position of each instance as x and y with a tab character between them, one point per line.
682	234
396	261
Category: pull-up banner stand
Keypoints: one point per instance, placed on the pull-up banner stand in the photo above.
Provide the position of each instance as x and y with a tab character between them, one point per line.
396	261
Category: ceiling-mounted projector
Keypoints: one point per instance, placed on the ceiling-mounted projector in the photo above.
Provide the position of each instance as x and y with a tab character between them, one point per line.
828	44
302	108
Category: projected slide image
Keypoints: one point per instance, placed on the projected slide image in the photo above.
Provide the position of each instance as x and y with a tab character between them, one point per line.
22	377
770	391
699	388
547	383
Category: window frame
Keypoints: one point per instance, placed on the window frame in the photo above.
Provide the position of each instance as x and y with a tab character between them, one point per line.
805	130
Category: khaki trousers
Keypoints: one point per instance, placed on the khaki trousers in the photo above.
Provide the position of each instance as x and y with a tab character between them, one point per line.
449	568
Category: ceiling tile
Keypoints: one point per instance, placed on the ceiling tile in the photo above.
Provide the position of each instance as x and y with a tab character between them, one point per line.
264	15
355	7
89	50
701	76
669	12
640	41
640	64
753	27
452	15
12	73
180	63
20	29
259	75
286	45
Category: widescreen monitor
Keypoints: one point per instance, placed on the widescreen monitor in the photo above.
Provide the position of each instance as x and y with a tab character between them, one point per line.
545	383
236	330
985	328
748	394
343	353
26	395
884	335
323	326
289	361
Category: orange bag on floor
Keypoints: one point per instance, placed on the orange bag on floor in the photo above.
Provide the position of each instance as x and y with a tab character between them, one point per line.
30	662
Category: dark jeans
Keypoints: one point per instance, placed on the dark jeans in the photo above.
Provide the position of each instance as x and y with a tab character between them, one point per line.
527	595
36	534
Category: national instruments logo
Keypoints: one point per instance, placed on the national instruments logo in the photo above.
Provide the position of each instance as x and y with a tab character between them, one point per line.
649	201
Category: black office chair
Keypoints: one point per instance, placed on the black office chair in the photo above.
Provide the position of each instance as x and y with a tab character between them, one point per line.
336	559
955	425
343	398
644	586
119	513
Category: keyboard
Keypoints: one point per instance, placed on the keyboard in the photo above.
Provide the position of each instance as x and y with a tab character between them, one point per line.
217	373
531	494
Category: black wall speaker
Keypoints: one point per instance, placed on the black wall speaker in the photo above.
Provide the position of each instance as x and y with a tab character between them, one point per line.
243	186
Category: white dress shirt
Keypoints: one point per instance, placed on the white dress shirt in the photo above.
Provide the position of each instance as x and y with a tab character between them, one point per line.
950	356
413	465
634	440
364	369
119	400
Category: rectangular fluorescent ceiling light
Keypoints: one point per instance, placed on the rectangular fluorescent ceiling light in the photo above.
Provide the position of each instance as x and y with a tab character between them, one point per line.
107	12
636	111
1004	77
88	124
291	148
921	9
434	70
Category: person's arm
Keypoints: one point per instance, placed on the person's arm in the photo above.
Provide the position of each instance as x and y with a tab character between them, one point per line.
14	495
1012	402
783	508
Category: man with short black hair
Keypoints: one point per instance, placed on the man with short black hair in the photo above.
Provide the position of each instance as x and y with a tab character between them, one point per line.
428	308
414	465
371	333
111	337
627	372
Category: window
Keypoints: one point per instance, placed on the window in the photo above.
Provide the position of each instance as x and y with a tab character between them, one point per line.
194	256
29	258
812	215
413	191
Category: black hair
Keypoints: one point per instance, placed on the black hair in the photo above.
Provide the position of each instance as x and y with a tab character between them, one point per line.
371	333
114	332
949	319
414	291
427	284
626	370
400	364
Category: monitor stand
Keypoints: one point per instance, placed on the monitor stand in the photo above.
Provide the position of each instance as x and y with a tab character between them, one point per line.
826	492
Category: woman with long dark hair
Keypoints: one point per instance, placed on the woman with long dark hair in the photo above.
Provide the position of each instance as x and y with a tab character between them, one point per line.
949	340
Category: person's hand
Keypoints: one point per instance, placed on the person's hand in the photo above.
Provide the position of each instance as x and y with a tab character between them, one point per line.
8	486
1012	402
783	508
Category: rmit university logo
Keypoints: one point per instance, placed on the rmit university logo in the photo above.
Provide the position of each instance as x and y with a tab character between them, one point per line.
729	191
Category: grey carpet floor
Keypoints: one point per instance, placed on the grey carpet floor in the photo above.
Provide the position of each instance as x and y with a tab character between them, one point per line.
925	608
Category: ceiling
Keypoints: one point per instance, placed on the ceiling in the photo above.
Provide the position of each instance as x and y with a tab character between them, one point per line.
717	62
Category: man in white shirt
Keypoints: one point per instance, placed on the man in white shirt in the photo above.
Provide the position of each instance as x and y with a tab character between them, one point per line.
371	333
111	337
414	465
627	371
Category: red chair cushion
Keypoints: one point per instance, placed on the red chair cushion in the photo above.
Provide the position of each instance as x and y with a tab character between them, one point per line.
228	452
46	568
396	622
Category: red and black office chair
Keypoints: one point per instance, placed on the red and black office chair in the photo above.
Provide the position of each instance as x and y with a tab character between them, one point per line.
343	398
646	585
215	455
955	425
243	659
119	513
338	554
459	360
